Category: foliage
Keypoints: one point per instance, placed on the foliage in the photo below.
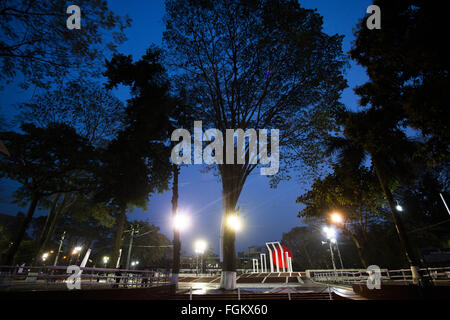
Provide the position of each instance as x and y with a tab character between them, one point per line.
84	105
257	64
407	63
44	165
36	43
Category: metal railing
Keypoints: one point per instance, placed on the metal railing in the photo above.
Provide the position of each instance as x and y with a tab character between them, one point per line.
57	278
350	276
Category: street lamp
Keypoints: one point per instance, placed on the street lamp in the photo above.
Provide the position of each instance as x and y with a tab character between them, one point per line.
336	218
334	240
105	260
200	247
398	207
76	250
134	263
180	221
44	256
330	234
234	222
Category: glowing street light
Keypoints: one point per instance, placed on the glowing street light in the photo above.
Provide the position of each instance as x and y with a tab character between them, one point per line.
330	232
336	218
200	247
134	263
234	222
399	207
181	221
105	260
44	256
76	250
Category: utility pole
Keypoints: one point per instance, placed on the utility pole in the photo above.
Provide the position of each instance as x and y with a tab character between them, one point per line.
339	253
176	233
332	255
60	248
132	231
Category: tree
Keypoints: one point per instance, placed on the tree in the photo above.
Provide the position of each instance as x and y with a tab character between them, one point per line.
46	162
258	64
95	114
37	44
148	121
373	133
149	245
354	193
92	110
407	63
307	251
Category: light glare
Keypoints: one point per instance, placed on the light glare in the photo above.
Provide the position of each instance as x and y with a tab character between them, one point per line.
234	222
180	221
200	246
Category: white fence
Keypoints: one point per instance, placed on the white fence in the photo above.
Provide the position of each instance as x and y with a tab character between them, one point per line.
349	276
51	277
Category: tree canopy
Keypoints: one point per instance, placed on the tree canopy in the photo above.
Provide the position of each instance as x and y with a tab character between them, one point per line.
36	43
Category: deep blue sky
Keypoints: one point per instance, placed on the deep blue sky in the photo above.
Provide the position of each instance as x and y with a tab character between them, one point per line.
267	212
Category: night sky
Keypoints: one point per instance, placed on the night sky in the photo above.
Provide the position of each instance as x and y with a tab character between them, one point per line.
267	212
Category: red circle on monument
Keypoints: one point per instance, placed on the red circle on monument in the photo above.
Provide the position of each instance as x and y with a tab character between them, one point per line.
276	258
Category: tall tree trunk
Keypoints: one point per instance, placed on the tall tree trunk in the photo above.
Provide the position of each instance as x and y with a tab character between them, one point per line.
176	233
399	228
231	189
62	208
119	233
9	258
48	221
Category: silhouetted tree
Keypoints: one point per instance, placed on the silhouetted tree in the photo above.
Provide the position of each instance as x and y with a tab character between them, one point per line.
46	161
408	65
255	64
36	43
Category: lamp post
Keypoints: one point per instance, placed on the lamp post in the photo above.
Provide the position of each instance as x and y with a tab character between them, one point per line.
76	250
60	248
334	240
105	260
132	231
200	247
180	221
337	219
330	234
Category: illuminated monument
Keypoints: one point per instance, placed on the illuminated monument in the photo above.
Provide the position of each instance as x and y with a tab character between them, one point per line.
280	258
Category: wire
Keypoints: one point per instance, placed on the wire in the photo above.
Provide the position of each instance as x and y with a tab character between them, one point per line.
442	222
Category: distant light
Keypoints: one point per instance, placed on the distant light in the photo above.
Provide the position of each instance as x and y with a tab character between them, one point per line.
105	259
333	240
200	246
181	221
337	218
45	256
76	249
51	251
399	208
234	222
329	232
